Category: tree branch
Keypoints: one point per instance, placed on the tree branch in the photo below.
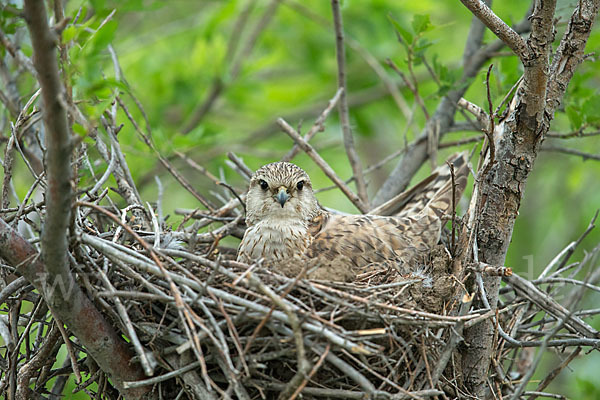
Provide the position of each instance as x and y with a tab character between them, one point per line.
355	163
317	126
95	333
570	52
511	38
218	84
416	152
69	303
311	152
59	197
501	189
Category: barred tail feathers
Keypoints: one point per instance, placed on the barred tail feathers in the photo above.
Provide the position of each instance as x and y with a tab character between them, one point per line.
441	201
438	193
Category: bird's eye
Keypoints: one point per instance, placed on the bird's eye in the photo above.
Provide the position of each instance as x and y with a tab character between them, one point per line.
263	184
300	185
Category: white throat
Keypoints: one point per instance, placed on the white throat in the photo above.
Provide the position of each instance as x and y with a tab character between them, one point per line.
275	238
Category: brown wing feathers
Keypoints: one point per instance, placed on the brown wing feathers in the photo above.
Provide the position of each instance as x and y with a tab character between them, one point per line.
438	193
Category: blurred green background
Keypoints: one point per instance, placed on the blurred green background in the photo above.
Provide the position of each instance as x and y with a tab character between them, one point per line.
282	64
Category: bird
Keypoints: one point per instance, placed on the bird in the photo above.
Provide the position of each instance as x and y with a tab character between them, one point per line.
287	225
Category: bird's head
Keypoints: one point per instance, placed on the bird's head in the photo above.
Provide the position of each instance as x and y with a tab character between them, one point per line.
280	190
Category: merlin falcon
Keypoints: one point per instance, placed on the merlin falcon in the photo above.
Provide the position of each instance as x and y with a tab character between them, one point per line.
287	224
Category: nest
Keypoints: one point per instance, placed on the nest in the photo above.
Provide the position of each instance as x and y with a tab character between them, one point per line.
204	326
259	333
207	326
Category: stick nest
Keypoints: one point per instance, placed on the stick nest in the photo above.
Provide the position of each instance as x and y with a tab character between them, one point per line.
223	328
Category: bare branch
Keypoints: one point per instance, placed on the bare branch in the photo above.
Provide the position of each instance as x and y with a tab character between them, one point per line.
82	318
353	157
74	308
476	111
570	52
17	54
410	86
559	149
317	126
217	87
511	38
203	200
499	194
416	152
322	164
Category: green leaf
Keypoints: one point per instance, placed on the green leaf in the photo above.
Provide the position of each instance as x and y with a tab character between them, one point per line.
421	46
421	23
590	109
69	33
79	129
98	4
192	139
104	36
574	115
216	22
403	33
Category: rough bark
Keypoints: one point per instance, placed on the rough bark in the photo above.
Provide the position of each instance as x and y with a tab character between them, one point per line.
516	150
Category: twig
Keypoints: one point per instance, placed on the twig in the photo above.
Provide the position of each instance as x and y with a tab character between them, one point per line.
353	157
346	368
491	270
312	372
531	292
554	373
571	250
312	153
147	363
161	378
197	167
318	126
18	55
397	153
7	166
37	361
181	307
489	130
558	149
453	239
218	85
508	95
570	52
68	306
234	193
511	38
580	133
410	86
109	249
303	365
391	86
416	153
204	201
478	112
239	163
529	374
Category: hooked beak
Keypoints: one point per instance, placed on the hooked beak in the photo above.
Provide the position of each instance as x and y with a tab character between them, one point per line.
282	196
